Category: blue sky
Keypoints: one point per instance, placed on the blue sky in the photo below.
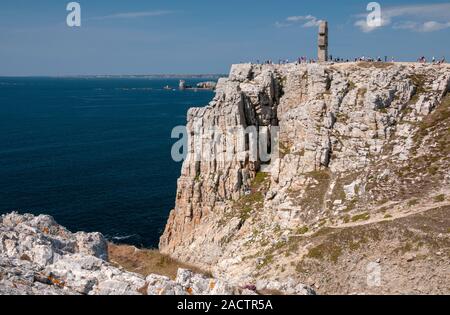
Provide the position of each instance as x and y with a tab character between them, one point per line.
204	36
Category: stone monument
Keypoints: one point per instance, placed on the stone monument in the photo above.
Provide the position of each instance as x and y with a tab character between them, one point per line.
323	41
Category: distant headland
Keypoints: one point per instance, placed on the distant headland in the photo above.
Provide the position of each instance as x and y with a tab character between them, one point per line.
152	76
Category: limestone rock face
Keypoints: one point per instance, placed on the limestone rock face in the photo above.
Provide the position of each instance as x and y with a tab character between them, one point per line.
188	283
345	130
40	257
41	240
45	258
205	185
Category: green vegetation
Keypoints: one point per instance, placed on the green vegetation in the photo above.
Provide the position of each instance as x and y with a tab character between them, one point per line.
285	149
259	179
355	245
325	250
437	122
361	217
439	198
299	268
433	169
266	261
405	248
413	202
346	219
419	81
342	117
247	204
351	85
302	230
254	199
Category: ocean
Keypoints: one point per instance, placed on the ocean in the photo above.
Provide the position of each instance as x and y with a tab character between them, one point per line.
93	152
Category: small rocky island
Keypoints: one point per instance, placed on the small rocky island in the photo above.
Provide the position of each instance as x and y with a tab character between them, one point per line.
207	85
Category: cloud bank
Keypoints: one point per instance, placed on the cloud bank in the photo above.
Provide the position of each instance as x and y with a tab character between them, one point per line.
302	20
418	18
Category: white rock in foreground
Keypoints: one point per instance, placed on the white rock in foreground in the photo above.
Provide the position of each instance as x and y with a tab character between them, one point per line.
40	257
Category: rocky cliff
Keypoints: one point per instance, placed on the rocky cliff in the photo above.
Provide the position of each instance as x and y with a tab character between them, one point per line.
40	257
360	185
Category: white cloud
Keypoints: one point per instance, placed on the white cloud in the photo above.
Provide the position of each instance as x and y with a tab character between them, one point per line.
441	10
405	25
429	26
303	20
132	15
366	28
432	26
419	17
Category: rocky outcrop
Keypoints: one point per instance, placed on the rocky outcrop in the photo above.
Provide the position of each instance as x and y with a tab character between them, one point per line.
354	146
188	283
209	85
40	257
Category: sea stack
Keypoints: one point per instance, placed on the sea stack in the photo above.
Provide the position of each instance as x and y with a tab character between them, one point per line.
323	42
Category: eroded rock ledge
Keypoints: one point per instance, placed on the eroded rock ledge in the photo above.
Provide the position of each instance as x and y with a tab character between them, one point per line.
40	257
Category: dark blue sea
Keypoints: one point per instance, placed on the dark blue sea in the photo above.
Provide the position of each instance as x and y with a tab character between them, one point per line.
93	153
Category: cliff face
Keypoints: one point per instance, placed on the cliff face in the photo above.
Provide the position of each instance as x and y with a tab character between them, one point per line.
363	149
40	257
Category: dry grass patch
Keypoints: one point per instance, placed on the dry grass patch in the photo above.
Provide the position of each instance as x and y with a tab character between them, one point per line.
325	250
146	261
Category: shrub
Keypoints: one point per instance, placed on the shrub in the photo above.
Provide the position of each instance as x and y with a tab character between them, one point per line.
361	217
439	198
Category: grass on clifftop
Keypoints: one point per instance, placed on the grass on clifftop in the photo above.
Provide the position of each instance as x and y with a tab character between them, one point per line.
146	261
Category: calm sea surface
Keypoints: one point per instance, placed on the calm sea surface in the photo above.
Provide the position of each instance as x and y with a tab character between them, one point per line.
93	153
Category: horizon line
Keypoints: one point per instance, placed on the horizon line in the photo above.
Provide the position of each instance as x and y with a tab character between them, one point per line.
206	75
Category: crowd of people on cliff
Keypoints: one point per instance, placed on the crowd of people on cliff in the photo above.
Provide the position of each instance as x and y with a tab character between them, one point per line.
305	60
434	61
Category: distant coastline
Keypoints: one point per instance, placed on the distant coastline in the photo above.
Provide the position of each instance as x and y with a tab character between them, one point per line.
128	76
